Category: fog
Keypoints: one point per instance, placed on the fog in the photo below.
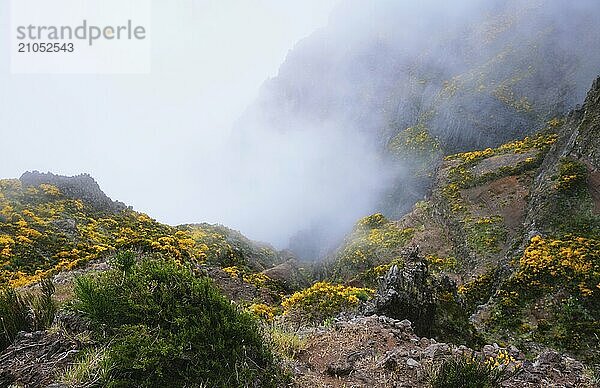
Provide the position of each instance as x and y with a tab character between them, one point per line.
380	67
157	142
272	117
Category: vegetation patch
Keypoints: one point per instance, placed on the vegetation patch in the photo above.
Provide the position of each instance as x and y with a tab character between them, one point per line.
164	326
25	311
324	300
461	176
263	311
415	145
563	277
375	241
572	176
473	372
478	290
485	235
43	232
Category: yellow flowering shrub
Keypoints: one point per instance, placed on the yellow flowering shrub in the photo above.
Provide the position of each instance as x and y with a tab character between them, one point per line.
460	175
374	241
473	156
478	290
263	311
441	263
563	277
571	175
415	144
540	141
371	277
324	300
259	280
50	189
42	232
502	360
234	271
572	261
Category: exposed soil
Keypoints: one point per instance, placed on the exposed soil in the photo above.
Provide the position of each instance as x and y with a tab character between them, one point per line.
493	163
429	235
506	197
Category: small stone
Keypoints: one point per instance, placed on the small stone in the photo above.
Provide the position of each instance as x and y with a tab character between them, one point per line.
436	350
412	363
339	369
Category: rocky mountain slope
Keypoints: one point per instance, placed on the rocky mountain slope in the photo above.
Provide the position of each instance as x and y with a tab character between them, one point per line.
497	272
516	229
494	274
471	74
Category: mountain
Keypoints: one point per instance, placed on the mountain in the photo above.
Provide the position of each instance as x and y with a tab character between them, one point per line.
387	88
472	74
50	223
480	265
495	276
516	228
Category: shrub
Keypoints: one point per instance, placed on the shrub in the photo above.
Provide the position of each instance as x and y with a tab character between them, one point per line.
25	311
374	241
284	341
572	175
167	327
263	311
478	290
91	368
323	300
471	372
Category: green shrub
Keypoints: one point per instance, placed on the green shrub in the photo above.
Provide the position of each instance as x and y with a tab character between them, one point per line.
284	341
167	327
572	175
471	372
25	311
91	367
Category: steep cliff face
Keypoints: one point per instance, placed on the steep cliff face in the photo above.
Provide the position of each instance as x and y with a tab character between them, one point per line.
473	74
587	141
566	193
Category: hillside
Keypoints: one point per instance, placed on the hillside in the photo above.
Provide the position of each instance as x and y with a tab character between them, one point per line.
51	223
473	75
457	124
500	262
516	228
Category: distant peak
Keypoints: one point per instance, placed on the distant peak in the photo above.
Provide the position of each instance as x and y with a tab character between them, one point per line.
82	187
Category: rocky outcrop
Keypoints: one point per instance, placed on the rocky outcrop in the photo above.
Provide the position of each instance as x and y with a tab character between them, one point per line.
579	140
82	187
35	359
587	141
428	300
408	293
378	351
288	275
